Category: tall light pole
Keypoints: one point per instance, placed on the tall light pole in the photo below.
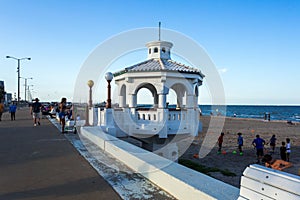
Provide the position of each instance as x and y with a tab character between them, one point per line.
109	77
26	85
29	93
18	70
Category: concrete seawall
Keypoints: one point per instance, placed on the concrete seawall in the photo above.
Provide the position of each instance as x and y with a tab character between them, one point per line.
180	181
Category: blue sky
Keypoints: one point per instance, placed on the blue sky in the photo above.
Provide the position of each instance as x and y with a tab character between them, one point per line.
255	45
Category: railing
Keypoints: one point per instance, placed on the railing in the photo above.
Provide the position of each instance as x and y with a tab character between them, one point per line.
151	121
151	115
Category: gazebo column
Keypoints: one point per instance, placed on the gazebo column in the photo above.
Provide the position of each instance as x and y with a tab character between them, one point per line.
132	101
179	101
196	102
155	96
192	115
196	95
162	117
162	101
190	101
121	101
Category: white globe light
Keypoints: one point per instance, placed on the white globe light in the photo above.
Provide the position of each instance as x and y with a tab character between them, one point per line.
109	76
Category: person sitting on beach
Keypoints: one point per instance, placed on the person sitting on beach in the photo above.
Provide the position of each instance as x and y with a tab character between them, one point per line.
259	143
274	163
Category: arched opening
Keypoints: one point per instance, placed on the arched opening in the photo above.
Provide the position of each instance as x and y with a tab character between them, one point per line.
177	93
147	95
163	50
172	98
144	97
155	50
149	50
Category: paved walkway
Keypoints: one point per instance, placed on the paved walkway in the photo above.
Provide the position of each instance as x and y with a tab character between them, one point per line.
40	163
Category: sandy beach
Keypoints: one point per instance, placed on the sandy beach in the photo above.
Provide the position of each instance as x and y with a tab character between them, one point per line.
249	128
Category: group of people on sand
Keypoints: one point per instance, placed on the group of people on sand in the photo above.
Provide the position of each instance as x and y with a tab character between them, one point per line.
240	143
259	144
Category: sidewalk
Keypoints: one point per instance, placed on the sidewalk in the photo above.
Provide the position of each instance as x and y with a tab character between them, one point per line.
39	163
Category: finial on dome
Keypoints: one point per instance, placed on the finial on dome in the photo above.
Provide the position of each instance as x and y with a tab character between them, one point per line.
159	24
159	49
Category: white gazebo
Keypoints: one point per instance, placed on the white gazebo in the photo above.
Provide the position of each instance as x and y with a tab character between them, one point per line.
158	74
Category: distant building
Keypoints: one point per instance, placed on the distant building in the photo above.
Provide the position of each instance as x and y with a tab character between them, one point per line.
6	98
2	91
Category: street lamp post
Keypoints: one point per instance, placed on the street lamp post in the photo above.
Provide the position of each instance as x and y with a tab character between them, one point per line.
26	85
90	84
18	70
89	106
109	77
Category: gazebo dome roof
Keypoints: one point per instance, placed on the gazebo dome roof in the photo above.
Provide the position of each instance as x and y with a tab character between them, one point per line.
154	65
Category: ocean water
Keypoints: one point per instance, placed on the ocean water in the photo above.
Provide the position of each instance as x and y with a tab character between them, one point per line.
288	113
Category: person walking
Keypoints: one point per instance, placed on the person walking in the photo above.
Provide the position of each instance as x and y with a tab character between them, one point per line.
283	151
12	111
259	143
240	142
288	149
62	114
1	110
220	141
273	143
35	111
